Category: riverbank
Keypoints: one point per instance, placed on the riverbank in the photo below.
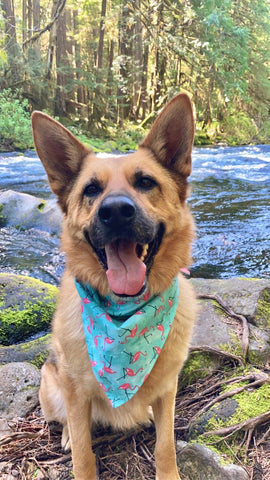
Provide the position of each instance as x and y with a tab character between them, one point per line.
237	130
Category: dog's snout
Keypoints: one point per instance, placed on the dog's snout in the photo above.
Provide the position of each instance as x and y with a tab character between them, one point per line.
116	210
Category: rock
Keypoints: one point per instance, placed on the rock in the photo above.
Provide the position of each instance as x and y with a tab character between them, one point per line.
198	462
4	428
221	413
246	296
26	307
214	328
249	403
34	351
19	384
26	211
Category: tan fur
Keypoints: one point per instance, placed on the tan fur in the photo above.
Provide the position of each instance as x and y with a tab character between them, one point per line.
69	391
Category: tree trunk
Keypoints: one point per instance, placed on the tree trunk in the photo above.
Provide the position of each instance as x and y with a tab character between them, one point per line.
36	24
138	60
125	54
101	35
61	64
78	60
14	71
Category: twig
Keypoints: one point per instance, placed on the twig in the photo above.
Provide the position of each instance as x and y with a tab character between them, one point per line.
231	313
246	424
260	379
217	351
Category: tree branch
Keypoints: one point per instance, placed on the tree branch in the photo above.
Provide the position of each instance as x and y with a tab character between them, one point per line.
59	8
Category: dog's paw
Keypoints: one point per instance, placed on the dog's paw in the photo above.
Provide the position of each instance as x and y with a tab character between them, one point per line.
65	442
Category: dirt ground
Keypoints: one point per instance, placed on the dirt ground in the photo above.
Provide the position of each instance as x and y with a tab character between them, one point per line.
33	451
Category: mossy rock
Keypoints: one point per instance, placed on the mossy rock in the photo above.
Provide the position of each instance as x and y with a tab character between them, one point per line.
26	307
35	351
243	406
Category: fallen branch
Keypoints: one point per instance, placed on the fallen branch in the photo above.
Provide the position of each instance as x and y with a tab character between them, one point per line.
258	379
251	423
217	351
231	313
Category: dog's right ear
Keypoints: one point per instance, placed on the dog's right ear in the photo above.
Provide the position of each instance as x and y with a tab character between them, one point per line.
60	152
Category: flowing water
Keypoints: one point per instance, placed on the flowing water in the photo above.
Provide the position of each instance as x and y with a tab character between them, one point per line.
229	199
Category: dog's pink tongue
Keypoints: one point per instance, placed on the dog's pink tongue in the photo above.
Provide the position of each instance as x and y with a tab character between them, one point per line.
126	272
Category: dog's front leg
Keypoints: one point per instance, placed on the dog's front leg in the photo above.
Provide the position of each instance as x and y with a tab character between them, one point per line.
78	410
165	455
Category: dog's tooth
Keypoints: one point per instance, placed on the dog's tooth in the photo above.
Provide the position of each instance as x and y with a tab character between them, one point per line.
144	252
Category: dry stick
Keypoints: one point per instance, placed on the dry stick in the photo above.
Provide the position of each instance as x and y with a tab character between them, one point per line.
251	423
264	437
200	396
231	313
217	351
260	379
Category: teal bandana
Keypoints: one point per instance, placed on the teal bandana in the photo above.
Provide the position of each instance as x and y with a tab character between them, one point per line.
124	337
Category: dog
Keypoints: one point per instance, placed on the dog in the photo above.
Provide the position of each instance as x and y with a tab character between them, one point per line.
121	331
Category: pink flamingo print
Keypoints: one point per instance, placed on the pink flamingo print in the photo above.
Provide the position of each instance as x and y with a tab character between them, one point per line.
108	369
86	300
130	372
170	302
90	319
96	340
157	351
127	386
108	341
93	363
161	329
132	334
145	297
89	329
104	388
143	333
158	310
106	316
136	356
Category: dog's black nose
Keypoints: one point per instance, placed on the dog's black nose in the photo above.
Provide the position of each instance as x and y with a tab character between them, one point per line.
116	210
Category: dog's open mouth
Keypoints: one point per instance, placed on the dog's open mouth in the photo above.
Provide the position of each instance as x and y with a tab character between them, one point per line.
127	263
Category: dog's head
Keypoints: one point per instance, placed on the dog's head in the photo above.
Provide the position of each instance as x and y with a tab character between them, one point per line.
127	224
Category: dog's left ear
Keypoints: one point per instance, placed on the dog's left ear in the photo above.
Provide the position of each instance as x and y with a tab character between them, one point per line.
171	136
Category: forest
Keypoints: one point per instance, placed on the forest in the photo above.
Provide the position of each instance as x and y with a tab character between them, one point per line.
102	66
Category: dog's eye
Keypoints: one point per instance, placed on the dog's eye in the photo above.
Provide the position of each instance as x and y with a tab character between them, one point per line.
145	183
92	190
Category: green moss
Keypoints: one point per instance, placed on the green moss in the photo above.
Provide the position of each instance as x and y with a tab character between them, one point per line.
17	324
41	206
40	359
233	347
251	403
3	218
198	365
27	306
263	309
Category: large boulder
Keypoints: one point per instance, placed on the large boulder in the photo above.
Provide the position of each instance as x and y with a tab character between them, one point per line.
19	383
26	211
217	329
26	307
199	462
246	296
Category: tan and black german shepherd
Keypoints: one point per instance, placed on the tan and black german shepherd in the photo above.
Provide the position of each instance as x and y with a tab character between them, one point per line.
127	232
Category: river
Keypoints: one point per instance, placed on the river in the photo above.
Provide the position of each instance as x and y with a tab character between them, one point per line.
229	199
